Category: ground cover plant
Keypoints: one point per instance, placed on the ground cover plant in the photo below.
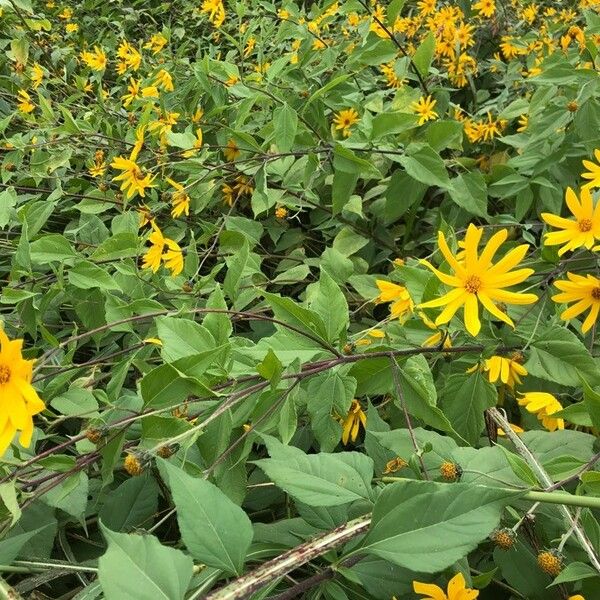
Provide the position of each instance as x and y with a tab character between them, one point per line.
299	300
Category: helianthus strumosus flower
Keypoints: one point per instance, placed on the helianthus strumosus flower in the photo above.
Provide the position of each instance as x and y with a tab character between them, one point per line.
583	231
424	108
352	422
164	80
505	369
25	104
457	590
20	401
37	75
95	60
344	119
584	292
477	279
486	8
133	178
180	199
543	405
162	250
156	43
231	150
402	304
593	171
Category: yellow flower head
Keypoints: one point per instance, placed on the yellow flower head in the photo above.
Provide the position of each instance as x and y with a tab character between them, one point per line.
476	279
231	151
25	104
424	108
402	304
593	170
504	369
457	590
95	60
582	231
164	80
544	405
37	75
584	292
180	200
486	8
172	257
344	119
351	424
20	401
156	43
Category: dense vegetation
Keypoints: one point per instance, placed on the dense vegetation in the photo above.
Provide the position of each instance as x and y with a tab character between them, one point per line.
300	300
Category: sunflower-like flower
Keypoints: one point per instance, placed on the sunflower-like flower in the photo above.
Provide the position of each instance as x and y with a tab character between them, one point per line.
583	231
424	108
180	200
352	422
344	119
20	401
584	292
457	590
402	304
172	257
593	171
543	405
477	279
508	370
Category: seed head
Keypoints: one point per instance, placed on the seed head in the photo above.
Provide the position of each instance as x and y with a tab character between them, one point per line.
450	471
135	463
550	561
504	538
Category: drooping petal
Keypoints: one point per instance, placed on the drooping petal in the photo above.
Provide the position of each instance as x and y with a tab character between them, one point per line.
445	299
576	309
489	305
591	318
432	591
443	277
471	312
511	297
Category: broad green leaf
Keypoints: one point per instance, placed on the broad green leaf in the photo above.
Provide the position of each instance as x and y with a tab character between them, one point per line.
87	275
11	545
341	189
321	479
591	401
558	355
285	123
423	56
182	337
214	529
139	566
466	397
392	123
425	165
575	571
427	526
469	191
330	304
50	248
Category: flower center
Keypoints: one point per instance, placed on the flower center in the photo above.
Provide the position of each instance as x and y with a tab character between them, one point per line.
473	284
596	293
4	374
585	225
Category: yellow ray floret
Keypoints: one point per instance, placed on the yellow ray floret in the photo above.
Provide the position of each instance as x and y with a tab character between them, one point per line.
583	292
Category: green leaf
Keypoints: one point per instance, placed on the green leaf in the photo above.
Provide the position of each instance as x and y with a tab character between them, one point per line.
424	54
330	304
466	396
182	337
320	479
591	400
419	393
270	368
558	355
287	311
469	191
136	566
427	526
130	505
285	123
8	200
342	188
575	571
50	248
348	162
392	123
214	529
87	275
425	165
328	394
11	545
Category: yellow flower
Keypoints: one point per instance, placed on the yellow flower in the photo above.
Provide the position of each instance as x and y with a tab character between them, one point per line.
71	27
508	370
231	151
352	422
164	80
584	291
180	200
153	256
593	172
576	597
150	91
344	119
523	123
281	212
544	405
98	167
582	231
25	104
133	91
156	43
215	11
457	590
424	108
173	257
133	177
477	279
66	14
37	75
20	401
164	123
95	60
402	304
487	8
130	57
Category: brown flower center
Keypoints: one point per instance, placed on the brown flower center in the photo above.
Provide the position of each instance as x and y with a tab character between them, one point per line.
585	225
596	293
473	284
4	374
